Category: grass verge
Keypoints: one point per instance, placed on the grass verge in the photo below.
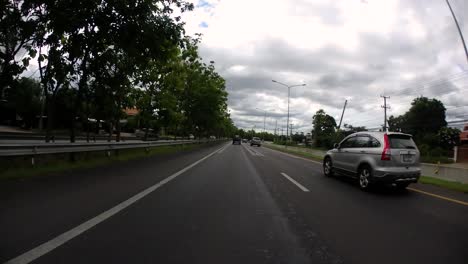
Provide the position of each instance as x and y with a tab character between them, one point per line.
295	152
456	186
20	167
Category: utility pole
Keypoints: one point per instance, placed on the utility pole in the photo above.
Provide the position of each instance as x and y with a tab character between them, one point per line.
290	130
275	138
385	107
459	31
342	114
264	118
276	126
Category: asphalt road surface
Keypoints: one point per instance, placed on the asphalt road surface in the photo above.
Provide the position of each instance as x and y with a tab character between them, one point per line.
224	204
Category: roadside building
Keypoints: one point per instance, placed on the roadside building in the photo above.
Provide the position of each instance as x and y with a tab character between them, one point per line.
462	152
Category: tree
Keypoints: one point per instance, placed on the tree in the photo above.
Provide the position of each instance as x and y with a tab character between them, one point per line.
298	137
323	129
449	137
204	98
423	120
425	116
16	30
24	99
352	129
396	123
77	39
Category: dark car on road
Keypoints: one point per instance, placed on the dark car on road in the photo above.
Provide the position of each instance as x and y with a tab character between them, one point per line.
236	140
375	157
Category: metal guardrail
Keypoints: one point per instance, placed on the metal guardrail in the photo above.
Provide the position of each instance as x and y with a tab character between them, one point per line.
9	150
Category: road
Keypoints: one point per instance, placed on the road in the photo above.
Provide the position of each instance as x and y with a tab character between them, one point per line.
223	204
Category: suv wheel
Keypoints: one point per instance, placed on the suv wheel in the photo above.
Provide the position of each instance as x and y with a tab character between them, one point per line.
365	175
327	167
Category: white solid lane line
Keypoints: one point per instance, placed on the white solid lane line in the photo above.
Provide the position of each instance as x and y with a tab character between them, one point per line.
253	152
293	156
223	148
249	150
304	189
50	245
258	153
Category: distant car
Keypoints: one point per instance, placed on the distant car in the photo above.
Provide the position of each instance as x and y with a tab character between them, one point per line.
244	140
375	157
212	137
255	141
236	140
191	136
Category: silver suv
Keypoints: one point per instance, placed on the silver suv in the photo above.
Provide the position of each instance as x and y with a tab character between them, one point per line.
256	141
375	157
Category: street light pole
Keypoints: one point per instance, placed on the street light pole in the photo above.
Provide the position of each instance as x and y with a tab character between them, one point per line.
289	93
264	119
287	121
458	27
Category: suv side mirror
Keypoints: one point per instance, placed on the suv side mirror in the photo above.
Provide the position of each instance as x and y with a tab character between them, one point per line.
336	145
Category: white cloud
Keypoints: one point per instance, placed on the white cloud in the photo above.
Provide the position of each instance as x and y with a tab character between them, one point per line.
342	49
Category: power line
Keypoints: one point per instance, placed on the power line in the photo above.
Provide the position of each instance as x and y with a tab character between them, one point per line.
411	89
437	82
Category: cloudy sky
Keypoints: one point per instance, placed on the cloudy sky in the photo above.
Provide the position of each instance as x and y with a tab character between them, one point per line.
341	49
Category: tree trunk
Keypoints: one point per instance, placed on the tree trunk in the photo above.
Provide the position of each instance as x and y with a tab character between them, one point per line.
87	129
117	127
146	133
50	118
111	128
73	128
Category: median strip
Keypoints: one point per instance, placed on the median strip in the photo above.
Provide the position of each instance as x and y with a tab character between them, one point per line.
297	155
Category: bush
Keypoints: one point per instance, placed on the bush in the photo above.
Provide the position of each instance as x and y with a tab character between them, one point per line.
424	149
437	152
285	143
434	155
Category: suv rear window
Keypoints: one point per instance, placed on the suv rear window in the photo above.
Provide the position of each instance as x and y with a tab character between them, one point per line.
401	142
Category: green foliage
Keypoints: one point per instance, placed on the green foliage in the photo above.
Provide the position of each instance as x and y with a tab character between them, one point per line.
324	129
457	186
16	31
425	117
97	58
425	120
448	137
424	150
24	101
352	129
338	136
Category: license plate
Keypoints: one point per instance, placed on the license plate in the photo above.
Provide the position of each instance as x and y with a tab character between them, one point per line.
407	158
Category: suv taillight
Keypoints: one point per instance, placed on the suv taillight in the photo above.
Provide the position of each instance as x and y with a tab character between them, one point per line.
386	153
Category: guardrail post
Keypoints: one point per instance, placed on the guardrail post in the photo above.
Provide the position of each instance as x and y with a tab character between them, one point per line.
33	162
147	149
108	153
